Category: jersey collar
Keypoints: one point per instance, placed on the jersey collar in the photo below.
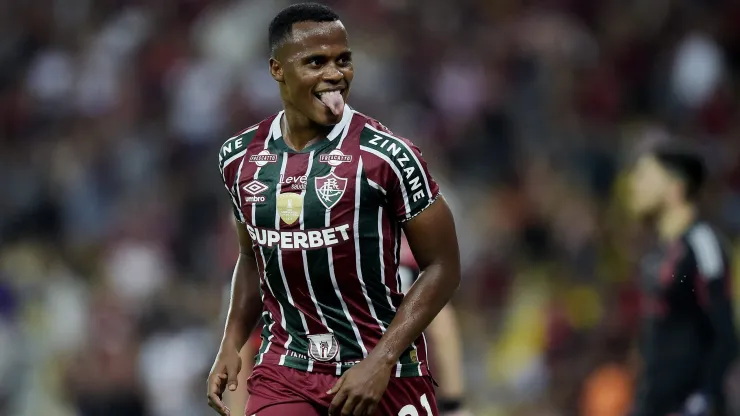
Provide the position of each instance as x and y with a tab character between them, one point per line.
343	123
276	131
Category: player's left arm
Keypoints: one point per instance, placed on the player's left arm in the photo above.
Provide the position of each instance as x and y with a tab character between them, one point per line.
714	284
433	240
414	199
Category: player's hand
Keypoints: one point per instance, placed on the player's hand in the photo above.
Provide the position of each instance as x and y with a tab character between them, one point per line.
223	373
359	390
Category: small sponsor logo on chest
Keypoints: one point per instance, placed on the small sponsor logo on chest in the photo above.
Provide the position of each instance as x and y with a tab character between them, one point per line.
293	182
262	158
335	158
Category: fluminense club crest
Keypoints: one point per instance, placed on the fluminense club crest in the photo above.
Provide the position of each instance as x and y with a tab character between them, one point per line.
330	189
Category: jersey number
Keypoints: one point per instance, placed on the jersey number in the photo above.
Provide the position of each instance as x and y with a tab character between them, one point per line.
410	410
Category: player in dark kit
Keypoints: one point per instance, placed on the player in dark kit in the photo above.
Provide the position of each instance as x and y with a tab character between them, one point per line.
689	341
321	194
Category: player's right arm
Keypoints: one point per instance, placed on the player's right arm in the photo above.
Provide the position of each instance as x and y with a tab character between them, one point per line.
245	307
245	302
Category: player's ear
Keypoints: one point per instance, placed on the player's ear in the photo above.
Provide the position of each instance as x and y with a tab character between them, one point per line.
276	70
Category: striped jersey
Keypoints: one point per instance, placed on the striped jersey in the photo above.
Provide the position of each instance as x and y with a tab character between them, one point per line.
326	224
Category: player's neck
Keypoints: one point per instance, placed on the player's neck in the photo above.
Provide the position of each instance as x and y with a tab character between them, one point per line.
299	131
674	221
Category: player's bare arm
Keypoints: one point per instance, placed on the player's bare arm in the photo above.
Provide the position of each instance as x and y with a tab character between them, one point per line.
433	241
245	306
444	335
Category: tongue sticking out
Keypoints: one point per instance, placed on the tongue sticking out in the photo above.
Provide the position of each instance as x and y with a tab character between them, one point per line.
334	101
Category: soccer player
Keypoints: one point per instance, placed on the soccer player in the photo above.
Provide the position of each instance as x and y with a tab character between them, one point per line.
444	338
321	195
689	339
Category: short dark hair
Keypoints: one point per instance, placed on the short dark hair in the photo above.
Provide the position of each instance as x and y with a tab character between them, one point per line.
686	164
281	26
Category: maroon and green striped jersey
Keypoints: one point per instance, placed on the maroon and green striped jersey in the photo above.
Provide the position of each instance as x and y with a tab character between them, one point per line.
326	225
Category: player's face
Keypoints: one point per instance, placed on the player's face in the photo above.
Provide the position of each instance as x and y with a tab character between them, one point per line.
649	183
315	60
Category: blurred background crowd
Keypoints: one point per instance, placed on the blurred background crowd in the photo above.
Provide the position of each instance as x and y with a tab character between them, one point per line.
116	238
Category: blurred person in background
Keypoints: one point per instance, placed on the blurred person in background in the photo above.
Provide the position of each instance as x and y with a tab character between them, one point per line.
338	334
689	340
445	344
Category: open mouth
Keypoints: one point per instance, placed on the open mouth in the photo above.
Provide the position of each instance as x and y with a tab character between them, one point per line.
326	94
333	100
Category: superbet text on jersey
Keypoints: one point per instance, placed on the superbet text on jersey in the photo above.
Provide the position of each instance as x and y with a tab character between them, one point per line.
326	225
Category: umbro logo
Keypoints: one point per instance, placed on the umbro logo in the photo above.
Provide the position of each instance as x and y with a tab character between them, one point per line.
255	187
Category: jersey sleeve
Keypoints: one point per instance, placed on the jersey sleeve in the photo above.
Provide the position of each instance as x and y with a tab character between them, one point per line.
401	172
412	188
714	291
229	161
